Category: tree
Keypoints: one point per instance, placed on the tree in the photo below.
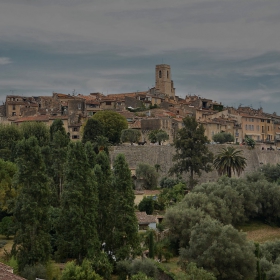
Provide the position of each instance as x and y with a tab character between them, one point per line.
9	135
76	229
223	137
250	142
103	176
125	225
221	250
57	125
92	129
76	272
130	135
113	123
39	130
148	174
229	160
158	135
151	245
193	272
6	226
146	205
8	190
32	240
192	154
271	172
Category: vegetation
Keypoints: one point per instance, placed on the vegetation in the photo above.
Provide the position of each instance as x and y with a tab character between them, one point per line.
158	135
223	137
148	174
130	135
192	154
113	123
250	142
65	201
229	160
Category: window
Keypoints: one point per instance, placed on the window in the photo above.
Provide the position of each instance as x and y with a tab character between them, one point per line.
268	128
108	102
258	128
75	129
159	74
14	107
246	127
167	74
14	114
75	136
268	121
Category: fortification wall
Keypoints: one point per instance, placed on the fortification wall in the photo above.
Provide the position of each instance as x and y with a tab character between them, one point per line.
162	155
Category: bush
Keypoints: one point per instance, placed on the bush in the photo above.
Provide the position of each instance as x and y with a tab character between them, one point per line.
32	272
223	137
147	205
146	266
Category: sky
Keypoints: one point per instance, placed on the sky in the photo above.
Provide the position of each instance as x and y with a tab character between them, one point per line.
224	50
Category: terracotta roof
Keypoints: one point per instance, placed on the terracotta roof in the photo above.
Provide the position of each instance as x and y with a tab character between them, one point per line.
40	118
144	219
7	274
136	124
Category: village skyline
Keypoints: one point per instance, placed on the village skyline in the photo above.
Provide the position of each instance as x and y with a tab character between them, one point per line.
227	51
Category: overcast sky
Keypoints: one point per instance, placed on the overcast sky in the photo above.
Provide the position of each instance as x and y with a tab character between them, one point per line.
225	50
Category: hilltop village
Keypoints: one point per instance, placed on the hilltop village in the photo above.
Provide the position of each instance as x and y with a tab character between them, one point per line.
157	108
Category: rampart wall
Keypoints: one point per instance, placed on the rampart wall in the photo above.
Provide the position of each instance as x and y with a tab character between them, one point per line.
162	155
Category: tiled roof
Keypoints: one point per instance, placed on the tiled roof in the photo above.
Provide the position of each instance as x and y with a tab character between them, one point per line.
144	219
6	273
136	124
40	118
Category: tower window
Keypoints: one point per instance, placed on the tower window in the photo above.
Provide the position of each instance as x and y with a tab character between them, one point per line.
167	74
159	74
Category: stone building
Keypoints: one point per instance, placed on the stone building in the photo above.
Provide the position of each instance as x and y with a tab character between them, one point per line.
164	84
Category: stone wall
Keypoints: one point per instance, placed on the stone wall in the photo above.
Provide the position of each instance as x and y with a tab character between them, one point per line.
162	155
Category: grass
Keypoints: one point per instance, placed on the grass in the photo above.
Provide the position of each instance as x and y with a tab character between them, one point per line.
260	232
7	247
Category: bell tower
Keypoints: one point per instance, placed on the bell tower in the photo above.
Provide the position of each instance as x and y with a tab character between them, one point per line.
164	84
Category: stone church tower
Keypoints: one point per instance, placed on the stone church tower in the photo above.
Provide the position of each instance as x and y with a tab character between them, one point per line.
164	84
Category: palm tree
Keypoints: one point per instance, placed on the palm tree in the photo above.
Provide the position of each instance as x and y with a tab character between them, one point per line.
228	160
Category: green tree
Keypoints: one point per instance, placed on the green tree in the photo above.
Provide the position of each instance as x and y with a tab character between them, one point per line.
223	137
193	272
37	129
130	135
9	135
92	129
125	225
151	245
57	125
8	190
192	154
271	172
250	142
158	135
32	240
76	229
113	123
76	272
7	226
146	205
221	250
103	176
148	174
229	160
91	155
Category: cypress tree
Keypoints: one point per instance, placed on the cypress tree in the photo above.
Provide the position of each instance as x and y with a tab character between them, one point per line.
125	226
32	240
103	177
77	234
